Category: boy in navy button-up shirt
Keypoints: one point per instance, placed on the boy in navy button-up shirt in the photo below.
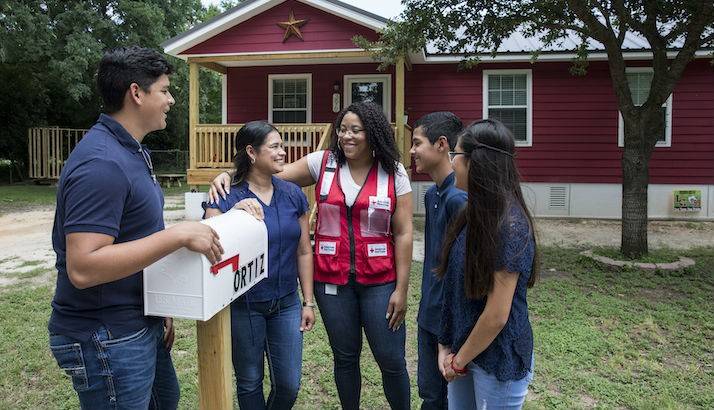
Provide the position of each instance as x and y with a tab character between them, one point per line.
433	137
108	227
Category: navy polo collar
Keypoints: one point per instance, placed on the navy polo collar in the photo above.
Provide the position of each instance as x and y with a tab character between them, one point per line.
448	181
121	134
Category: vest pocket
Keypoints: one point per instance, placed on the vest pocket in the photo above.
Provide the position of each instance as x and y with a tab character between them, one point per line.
374	223
326	252
328	221
378	257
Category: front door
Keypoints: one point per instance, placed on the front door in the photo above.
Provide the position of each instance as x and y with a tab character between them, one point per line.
376	88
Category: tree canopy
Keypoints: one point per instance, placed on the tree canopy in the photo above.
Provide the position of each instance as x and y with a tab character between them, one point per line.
49	51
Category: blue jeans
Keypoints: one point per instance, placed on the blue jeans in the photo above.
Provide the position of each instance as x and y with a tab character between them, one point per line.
481	390
357	307
131	372
432	385
269	329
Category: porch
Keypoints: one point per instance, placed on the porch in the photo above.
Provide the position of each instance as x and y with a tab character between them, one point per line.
252	80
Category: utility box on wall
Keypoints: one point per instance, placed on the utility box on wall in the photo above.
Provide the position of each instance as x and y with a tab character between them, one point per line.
184	284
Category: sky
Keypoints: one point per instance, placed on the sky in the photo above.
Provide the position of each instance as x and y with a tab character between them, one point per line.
384	8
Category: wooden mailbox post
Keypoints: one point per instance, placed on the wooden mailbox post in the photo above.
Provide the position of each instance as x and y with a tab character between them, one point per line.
214	362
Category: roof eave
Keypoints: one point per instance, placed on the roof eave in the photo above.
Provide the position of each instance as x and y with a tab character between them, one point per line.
552	56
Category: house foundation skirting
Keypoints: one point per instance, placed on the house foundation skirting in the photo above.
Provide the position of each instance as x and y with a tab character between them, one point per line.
590	200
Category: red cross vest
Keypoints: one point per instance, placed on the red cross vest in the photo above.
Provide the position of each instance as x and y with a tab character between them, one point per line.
354	240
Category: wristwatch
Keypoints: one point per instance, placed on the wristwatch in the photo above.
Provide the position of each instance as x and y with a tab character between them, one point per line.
308	304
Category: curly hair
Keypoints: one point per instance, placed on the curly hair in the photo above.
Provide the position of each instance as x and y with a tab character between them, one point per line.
380	135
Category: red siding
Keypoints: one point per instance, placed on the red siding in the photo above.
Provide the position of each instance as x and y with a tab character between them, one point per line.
574	118
261	33
248	89
575	121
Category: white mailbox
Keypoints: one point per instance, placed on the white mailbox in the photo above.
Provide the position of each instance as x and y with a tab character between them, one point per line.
184	284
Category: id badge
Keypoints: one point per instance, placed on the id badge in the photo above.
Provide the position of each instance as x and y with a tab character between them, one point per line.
330	289
383	202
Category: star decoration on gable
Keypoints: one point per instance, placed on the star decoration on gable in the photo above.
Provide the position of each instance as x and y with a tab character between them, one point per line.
292	27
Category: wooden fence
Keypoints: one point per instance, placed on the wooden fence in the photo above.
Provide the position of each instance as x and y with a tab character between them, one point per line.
48	149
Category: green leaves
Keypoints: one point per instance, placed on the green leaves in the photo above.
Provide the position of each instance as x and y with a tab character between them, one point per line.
49	51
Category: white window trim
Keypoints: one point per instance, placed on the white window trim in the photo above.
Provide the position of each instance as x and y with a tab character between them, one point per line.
386	97
302	76
667	126
529	101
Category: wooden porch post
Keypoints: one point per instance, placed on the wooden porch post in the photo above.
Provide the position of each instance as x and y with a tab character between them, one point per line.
193	98
399	114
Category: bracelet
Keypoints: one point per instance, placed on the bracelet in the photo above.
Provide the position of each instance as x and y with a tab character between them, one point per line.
309	304
462	370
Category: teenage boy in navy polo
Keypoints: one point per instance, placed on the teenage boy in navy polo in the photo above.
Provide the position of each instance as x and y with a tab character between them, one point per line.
108	227
433	137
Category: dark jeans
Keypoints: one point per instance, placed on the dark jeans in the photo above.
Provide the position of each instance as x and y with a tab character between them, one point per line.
269	329
432	385
132	372
357	307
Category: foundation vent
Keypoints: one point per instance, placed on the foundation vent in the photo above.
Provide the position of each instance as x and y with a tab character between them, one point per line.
558	198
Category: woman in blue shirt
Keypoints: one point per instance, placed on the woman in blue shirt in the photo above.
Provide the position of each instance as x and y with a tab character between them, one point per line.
268	320
488	262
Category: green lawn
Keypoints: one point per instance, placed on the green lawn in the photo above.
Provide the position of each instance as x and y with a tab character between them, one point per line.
19	197
611	339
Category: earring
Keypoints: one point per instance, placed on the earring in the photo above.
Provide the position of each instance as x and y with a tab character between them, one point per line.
252	160
373	154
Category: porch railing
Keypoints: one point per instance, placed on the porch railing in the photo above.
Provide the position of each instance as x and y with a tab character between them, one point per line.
215	149
215	143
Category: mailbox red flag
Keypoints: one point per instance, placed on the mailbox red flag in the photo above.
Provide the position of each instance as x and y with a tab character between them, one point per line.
233	261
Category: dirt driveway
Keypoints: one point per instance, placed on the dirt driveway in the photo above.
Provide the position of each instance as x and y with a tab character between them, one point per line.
26	243
26	240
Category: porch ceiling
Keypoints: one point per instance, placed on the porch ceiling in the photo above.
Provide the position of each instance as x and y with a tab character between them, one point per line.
309	61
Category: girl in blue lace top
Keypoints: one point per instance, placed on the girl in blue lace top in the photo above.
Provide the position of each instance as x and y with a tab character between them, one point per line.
488	262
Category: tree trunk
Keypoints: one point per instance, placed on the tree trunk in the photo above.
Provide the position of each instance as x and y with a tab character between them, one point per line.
635	181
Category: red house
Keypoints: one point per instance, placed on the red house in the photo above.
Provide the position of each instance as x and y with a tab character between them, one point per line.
293	63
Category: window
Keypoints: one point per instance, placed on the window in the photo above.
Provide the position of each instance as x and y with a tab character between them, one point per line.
290	98
376	88
639	80
507	97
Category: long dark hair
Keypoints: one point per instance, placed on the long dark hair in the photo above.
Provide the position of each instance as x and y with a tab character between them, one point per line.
493	187
252	133
380	135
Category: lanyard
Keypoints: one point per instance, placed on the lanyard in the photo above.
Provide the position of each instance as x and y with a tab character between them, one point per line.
149	164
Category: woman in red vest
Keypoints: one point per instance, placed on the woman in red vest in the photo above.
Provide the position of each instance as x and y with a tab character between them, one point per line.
363	247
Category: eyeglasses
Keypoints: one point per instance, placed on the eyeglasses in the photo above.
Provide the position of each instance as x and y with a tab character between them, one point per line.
453	154
354	131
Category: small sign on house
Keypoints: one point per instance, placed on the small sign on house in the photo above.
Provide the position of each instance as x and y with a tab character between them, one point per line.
688	200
